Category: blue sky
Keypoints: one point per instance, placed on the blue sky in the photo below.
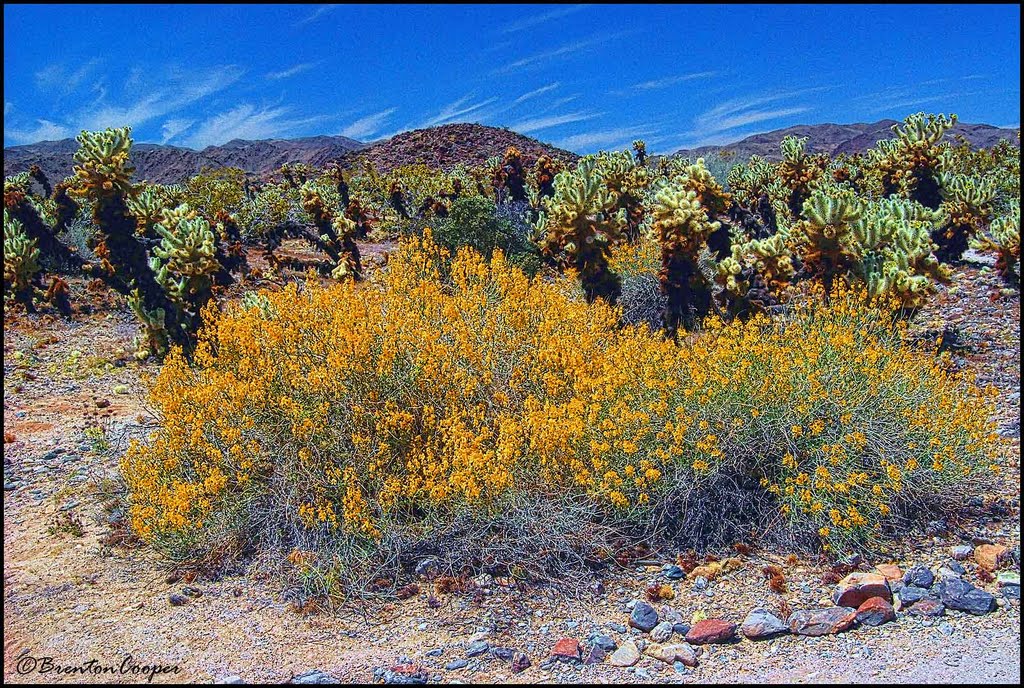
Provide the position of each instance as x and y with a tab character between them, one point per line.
584	77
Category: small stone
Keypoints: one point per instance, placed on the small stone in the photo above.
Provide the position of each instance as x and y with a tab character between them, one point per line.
673	572
946	628
643	616
102	403
957	593
700	583
1008	583
427	567
927	607
670	654
177	600
853	590
988	556
604	642
661	632
711	631
617	627
596	655
680	628
875	612
956	567
567	650
761	624
192	592
314	677
435	653
520	662
816	622
477	648
456	664
892	572
919	576
626	655
911	594
503	653
230	680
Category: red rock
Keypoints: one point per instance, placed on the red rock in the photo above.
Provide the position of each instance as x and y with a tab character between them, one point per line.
711	631
567	648
858	587
875	612
816	622
520	662
928	606
890	571
988	556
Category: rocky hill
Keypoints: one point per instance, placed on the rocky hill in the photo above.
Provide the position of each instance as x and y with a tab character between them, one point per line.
844	138
450	144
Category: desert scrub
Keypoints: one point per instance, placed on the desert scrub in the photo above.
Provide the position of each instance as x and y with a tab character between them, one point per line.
369	414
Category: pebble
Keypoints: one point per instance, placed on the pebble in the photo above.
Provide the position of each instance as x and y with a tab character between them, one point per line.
643	616
314	677
477	648
626	655
456	664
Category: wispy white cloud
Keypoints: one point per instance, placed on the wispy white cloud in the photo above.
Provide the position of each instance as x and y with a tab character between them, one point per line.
538	19
540	58
176	93
367	126
316	14
245	121
538	123
59	80
655	84
8	108
455	110
606	139
533	94
173	128
292	71
44	130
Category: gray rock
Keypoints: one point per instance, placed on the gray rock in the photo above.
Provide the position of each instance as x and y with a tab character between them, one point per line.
673	572
626	656
596	655
503	653
680	628
456	664
760	624
177	600
927	607
477	648
661	632
427	567
700	583
643	616
604	642
230	680
435	653
919	576
314	677
617	627
911	594
957	593
946	628
1008	583
956	567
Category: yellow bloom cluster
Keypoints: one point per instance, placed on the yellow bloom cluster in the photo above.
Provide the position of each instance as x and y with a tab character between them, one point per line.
447	383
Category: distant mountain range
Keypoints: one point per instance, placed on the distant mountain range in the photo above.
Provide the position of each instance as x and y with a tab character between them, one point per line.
845	138
442	146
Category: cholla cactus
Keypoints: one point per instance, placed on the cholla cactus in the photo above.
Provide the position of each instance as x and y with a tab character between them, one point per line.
1004	238
640	151
798	171
336	234
682	227
628	181
577	226
769	258
697	178
509	179
102	161
155	342
909	165
21	263
544	172
824	237
147	206
185	261
968	202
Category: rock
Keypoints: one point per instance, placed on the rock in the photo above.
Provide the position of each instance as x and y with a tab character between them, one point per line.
177	600
815	622
875	612
680	628
955	566
604	642
456	664
670	654
857	587
427	567
673	572
567	650
760	624
102	403
617	627
643	616
957	593
711	631
314	677
192	592
988	556
437	652
892	572
1008	583
661	632
927	607
520	662
477	648
919	576
596	655
230	680
626	656
700	583
505	654
911	594
404	674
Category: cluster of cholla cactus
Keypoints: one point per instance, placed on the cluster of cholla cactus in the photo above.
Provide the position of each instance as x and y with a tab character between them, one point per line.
967	199
1003	238
756	273
628	180
909	165
21	263
683	227
798	171
509	180
578	225
336	234
640	151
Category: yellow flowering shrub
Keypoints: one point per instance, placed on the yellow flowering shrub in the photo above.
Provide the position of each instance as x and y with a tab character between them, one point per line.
449	384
